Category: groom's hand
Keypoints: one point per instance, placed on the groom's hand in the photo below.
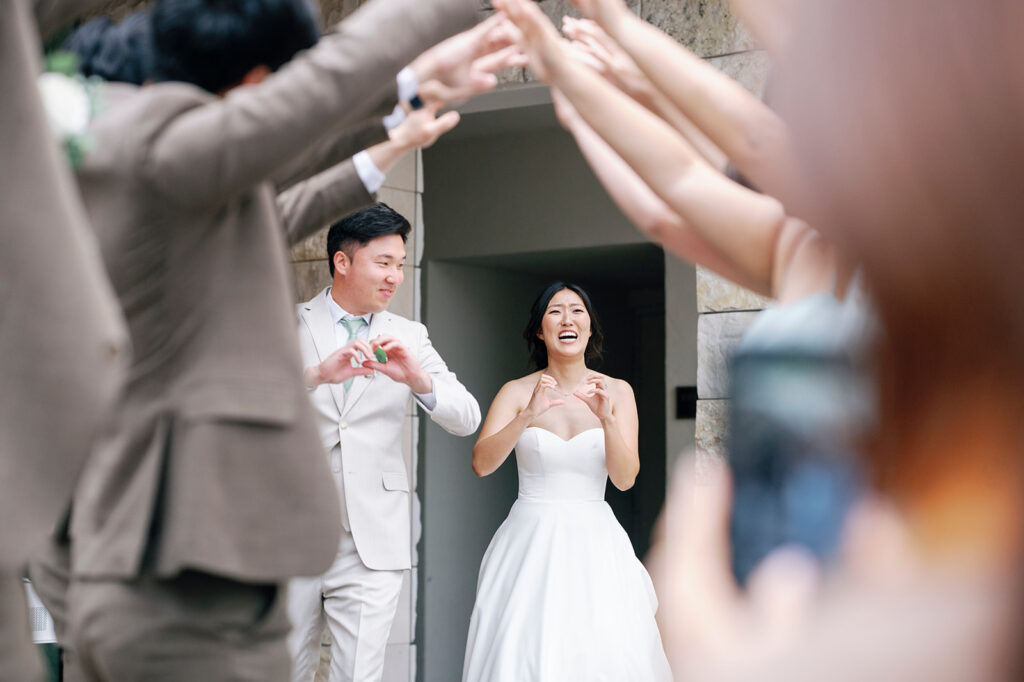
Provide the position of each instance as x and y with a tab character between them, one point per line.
402	366
338	367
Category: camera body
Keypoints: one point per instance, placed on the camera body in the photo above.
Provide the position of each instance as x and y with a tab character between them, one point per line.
796	417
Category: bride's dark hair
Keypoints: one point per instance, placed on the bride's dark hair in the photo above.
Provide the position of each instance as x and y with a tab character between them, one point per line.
535	346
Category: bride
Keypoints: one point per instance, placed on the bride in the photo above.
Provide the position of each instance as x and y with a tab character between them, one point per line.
561	595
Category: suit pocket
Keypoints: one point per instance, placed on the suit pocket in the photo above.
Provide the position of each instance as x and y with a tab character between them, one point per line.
395	480
269	402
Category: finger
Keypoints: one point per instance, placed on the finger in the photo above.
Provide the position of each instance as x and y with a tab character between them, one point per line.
694	575
506	58
781	590
478	83
599	50
441	126
361	346
555	403
581	53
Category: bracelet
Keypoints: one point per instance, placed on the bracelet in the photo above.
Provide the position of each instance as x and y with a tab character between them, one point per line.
415	102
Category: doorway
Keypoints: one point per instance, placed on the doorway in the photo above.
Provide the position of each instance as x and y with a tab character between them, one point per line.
508	207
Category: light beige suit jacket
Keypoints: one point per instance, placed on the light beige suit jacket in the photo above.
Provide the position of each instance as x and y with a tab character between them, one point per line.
215	463
63	343
366	422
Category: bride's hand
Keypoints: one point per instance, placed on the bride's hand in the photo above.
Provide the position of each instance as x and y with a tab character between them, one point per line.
595	395
541	401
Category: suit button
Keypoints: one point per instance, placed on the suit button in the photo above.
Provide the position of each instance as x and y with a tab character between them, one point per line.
344	425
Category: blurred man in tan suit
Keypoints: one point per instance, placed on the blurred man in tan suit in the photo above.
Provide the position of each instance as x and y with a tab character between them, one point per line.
213	487
62	337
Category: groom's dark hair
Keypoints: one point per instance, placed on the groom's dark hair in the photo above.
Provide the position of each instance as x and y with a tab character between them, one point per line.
535	346
358	229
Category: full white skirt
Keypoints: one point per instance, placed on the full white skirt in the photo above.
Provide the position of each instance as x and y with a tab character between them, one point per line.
562	598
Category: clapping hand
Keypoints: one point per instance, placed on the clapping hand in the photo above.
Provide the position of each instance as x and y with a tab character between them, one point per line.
595	395
541	400
401	366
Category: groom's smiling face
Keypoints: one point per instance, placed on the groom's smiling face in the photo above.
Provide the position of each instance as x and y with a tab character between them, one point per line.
368	282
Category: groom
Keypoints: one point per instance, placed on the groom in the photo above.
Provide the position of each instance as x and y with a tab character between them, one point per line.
361	405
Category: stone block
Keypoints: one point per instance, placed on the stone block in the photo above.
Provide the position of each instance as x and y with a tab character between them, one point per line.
313	247
418	234
310	277
716	294
712	422
717	336
749	69
402	200
706	27
403	174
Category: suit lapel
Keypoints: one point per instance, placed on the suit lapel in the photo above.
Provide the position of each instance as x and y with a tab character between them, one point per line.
317	317
378	323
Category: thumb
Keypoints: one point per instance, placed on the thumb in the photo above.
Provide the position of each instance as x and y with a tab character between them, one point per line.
482	82
440	126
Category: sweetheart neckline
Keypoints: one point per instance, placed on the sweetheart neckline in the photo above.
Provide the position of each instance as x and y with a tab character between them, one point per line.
566	440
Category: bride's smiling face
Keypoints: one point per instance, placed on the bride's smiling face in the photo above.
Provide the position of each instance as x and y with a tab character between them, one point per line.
565	328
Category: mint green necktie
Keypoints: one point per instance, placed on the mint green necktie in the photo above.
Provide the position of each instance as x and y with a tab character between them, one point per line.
352	325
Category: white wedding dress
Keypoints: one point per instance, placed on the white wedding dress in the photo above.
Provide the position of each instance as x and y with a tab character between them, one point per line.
561	596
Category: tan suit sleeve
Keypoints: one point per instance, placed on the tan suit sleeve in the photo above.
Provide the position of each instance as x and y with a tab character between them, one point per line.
224	147
312	205
329	152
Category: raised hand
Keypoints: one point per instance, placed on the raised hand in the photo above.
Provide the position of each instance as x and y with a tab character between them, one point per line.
464	65
541	401
595	395
600	51
422	127
537	36
605	12
338	367
401	366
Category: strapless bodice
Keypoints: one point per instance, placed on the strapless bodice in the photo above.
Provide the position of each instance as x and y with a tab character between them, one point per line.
551	468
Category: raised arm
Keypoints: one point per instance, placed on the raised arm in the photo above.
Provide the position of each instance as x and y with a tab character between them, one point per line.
639	203
311	205
597	49
329	151
226	146
743	226
753	137
514	408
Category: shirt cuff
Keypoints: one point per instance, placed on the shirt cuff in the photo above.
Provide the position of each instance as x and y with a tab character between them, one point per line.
428	400
394	119
408	84
368	172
